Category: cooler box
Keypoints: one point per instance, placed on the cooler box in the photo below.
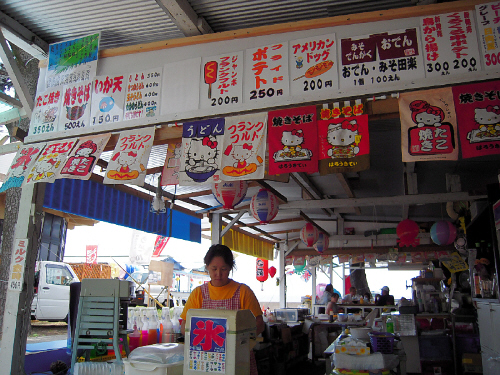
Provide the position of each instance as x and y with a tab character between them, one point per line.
157	359
218	341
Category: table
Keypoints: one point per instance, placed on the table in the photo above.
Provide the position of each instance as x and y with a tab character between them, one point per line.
363	307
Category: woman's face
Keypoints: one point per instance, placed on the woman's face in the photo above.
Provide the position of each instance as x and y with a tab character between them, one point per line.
219	271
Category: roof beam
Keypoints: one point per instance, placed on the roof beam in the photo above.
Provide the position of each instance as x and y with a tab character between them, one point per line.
308	187
265	185
347	188
184	17
309	220
10	100
410	183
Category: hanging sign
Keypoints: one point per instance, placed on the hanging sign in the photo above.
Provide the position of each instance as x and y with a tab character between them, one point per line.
21	165
449	44
72	61
380	59
47	111
83	158
17	263
108	96
478	115
75	111
170	174
488	22
344	145
428	125
293	140
201	151
266	73
244	147
207	345
222	84
143	94
313	65
130	157
91	254
50	161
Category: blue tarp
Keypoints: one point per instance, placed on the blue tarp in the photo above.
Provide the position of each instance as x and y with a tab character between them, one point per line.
100	202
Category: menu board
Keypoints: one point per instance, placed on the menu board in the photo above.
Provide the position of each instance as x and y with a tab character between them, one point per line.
488	21
108	96
143	94
45	117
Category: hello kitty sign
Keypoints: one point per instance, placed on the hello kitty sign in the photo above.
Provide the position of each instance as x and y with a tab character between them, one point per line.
293	140
478	118
344	145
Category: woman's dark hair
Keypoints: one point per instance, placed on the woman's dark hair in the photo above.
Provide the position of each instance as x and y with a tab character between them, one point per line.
220	251
329	288
335	295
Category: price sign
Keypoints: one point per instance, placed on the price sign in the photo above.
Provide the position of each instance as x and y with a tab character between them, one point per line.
488	22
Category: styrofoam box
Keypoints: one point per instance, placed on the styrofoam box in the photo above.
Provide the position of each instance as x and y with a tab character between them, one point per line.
144	368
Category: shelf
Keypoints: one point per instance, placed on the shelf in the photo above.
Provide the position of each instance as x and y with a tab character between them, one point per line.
423	280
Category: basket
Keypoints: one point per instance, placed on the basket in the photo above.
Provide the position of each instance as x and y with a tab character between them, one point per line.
382	342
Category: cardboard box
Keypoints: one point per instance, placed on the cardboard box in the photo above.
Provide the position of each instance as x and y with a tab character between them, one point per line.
166	269
472	363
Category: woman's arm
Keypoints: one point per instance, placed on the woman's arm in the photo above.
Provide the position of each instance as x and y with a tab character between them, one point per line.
183	327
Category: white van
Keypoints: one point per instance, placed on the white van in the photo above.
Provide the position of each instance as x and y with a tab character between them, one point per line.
51	299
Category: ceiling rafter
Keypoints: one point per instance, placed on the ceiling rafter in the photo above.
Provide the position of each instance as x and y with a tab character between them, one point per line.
309	188
309	220
184	17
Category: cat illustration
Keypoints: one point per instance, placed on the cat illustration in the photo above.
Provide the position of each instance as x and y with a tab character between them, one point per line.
202	153
344	139
489	120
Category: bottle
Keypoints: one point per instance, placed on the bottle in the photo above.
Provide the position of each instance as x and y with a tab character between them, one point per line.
135	337
144	332
330	317
167	327
151	328
176	326
477	284
389	325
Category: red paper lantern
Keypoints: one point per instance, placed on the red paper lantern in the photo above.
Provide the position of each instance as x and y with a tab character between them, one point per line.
407	231
262	269
309	234
264	206
230	193
322	243
272	271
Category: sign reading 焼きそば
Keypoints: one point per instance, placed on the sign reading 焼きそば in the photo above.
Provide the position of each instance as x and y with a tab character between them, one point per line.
266	73
222	84
75	111
108	96
380	59
143	94
207	345
428	125
130	157
488	23
449	44
72	61
47	111
292	138
313	65
478	118
244	147
22	163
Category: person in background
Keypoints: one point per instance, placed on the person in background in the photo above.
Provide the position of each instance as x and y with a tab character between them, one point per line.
385	299
224	293
367	298
349	298
327	295
332	305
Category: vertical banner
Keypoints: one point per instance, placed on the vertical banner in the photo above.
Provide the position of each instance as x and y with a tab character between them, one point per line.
143	94
478	115
21	165
18	260
91	254
75	111
108	96
160	244
428	125
47	111
130	157
170	173
344	145
50	161
201	151
292	138
83	158
488	23
450	44
380	59
141	246
313	65
244	147
72	61
266	73
222	84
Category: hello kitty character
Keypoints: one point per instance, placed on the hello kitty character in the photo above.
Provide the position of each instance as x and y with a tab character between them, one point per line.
83	160
240	153
344	138
126	160
424	114
488	119
292	141
45	167
19	167
202	153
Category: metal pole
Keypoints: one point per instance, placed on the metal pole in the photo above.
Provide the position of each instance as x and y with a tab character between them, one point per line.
283	249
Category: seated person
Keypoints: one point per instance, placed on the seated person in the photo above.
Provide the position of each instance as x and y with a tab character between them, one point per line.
367	298
349	298
327	295
385	299
332	305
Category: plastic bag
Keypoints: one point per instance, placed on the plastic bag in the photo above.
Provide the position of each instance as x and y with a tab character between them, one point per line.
166	353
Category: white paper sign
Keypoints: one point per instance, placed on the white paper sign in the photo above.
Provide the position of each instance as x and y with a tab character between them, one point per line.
108	97
16	277
75	111
143	94
266	73
449	44
488	22
313	65
222	84
181	86
47	111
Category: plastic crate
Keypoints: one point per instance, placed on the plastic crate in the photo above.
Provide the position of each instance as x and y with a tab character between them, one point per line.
382	342
435	347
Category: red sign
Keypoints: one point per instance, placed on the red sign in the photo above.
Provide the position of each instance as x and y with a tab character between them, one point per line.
91	254
160	244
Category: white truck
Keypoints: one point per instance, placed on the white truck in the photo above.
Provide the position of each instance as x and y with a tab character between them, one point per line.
51	299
